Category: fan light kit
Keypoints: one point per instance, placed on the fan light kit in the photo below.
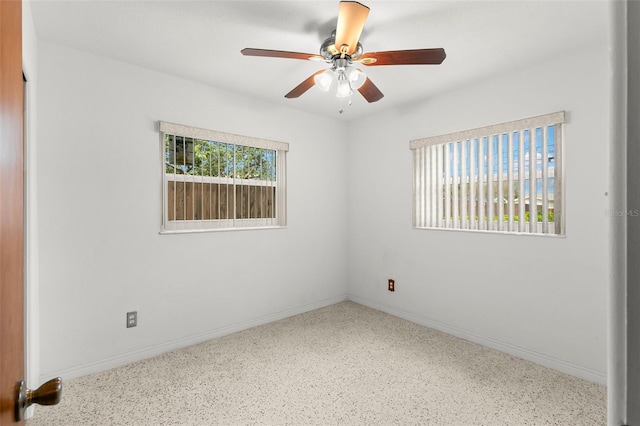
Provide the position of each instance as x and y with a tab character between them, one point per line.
342	49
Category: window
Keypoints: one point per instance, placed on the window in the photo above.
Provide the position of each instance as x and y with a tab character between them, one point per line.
503	178
214	180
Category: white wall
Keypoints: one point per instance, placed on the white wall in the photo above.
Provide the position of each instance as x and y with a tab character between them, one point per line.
30	70
621	34
540	298
99	179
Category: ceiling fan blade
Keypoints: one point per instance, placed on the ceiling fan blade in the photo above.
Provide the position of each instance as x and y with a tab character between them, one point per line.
303	87
404	57
370	91
280	54
351	18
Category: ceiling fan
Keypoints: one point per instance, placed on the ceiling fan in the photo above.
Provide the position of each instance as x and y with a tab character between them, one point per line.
342	49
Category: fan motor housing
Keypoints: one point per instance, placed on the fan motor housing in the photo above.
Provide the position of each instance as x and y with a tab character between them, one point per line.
329	51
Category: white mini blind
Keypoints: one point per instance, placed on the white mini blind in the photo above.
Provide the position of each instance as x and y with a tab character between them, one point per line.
214	180
503	178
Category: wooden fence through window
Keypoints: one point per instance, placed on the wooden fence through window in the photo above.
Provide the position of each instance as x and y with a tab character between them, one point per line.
211	201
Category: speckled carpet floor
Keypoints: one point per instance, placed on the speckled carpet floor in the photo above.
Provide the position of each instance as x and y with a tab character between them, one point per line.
341	365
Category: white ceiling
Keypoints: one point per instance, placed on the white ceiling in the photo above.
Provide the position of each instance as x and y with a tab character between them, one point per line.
201	41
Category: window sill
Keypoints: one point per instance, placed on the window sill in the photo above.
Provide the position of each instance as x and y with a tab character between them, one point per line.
480	231
199	231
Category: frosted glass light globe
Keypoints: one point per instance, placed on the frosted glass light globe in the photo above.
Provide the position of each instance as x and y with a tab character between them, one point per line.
356	77
324	80
344	89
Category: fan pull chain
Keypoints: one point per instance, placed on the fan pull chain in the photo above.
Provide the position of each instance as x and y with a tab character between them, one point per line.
341	110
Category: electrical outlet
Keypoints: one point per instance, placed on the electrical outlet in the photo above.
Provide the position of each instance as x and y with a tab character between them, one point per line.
132	319
392	285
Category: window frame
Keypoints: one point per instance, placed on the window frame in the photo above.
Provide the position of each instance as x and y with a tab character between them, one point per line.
227	224
428	214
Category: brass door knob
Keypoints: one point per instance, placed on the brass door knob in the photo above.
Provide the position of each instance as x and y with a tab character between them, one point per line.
49	393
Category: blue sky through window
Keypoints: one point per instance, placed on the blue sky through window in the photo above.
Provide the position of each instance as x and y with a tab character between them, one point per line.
500	143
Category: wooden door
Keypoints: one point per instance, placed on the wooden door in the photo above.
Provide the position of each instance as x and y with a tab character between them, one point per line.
11	208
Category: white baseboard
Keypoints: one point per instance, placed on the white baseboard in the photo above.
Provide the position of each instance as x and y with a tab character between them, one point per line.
524	353
133	356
